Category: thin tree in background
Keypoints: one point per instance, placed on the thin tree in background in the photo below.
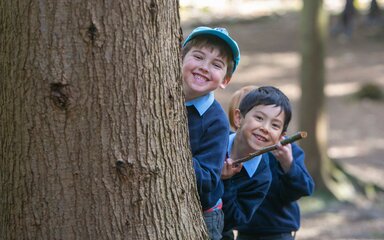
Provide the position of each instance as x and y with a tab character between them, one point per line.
93	133
375	12
328	176
312	116
345	23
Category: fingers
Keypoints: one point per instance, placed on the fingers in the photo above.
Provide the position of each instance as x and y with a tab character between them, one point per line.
230	169
282	151
231	164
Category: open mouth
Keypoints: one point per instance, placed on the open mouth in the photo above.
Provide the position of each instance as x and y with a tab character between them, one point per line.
260	138
199	78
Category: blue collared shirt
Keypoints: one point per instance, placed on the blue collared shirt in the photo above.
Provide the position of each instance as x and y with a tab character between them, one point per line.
251	165
202	103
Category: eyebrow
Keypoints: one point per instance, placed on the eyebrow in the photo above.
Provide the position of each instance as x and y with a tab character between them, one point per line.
274	118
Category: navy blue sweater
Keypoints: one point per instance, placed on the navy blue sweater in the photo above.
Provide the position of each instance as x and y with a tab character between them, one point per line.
279	212
208	135
243	194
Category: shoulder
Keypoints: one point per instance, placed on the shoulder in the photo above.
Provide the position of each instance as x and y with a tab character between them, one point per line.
296	147
216	113
297	152
265	161
217	110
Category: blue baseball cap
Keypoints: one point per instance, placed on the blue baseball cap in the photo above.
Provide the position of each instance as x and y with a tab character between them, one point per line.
221	33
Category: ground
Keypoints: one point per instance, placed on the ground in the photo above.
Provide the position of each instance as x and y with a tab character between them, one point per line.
269	56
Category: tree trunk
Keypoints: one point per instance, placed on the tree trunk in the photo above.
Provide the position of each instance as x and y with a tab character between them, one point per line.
93	134
375	11
312	115
328	176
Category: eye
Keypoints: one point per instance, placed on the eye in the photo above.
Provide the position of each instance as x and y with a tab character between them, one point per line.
218	65
276	126
259	117
198	56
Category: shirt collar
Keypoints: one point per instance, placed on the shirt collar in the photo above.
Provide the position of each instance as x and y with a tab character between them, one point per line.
202	103
250	165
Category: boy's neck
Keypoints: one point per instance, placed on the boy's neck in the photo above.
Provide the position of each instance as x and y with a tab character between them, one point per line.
190	98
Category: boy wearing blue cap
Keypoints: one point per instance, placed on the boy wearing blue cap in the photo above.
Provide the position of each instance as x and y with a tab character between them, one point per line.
210	56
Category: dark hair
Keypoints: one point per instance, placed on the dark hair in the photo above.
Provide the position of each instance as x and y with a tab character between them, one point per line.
267	95
211	41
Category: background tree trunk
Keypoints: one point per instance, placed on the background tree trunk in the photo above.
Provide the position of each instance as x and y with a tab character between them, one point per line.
312	116
375	12
94	140
330	177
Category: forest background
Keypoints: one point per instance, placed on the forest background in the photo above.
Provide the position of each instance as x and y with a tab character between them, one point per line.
268	34
78	161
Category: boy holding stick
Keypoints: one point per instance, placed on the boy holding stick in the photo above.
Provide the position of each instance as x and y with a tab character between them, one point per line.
262	120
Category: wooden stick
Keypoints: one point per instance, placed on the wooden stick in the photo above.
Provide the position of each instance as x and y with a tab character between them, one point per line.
291	139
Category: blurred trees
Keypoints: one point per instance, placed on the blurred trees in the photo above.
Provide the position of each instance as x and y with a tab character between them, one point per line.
347	18
375	11
329	176
312	116
93	133
345	24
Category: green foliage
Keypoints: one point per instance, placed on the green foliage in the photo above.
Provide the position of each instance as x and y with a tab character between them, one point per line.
206	10
319	201
370	91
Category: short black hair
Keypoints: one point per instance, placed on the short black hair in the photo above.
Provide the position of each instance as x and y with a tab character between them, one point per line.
267	95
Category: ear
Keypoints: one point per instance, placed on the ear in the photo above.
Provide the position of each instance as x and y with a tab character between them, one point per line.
225	82
237	118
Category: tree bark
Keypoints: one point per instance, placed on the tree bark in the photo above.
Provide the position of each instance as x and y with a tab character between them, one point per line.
312	115
93	134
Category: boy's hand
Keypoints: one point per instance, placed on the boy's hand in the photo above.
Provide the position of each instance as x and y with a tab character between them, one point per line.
230	169
283	154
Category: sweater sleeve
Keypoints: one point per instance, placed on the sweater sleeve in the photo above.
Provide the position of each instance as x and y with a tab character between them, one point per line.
208	160
243	195
297	182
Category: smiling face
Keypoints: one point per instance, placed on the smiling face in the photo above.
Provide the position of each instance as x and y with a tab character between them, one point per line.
204	70
262	126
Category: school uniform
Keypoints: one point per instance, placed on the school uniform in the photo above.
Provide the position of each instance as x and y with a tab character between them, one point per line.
208	134
278	217
245	191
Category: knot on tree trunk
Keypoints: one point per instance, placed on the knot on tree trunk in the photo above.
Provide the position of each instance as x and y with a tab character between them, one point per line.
60	95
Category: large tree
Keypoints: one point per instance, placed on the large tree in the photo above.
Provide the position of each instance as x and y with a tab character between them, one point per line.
93	134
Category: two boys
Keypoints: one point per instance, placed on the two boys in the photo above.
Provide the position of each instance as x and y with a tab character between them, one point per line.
210	56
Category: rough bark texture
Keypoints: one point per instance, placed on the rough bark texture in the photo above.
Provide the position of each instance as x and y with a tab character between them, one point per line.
93	133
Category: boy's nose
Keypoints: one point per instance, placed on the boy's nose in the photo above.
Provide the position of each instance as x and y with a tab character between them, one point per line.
204	66
264	127
264	130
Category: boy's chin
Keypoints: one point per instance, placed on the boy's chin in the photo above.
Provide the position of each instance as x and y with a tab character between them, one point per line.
258	147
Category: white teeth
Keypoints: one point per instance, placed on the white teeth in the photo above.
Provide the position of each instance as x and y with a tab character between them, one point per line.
261	138
199	78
